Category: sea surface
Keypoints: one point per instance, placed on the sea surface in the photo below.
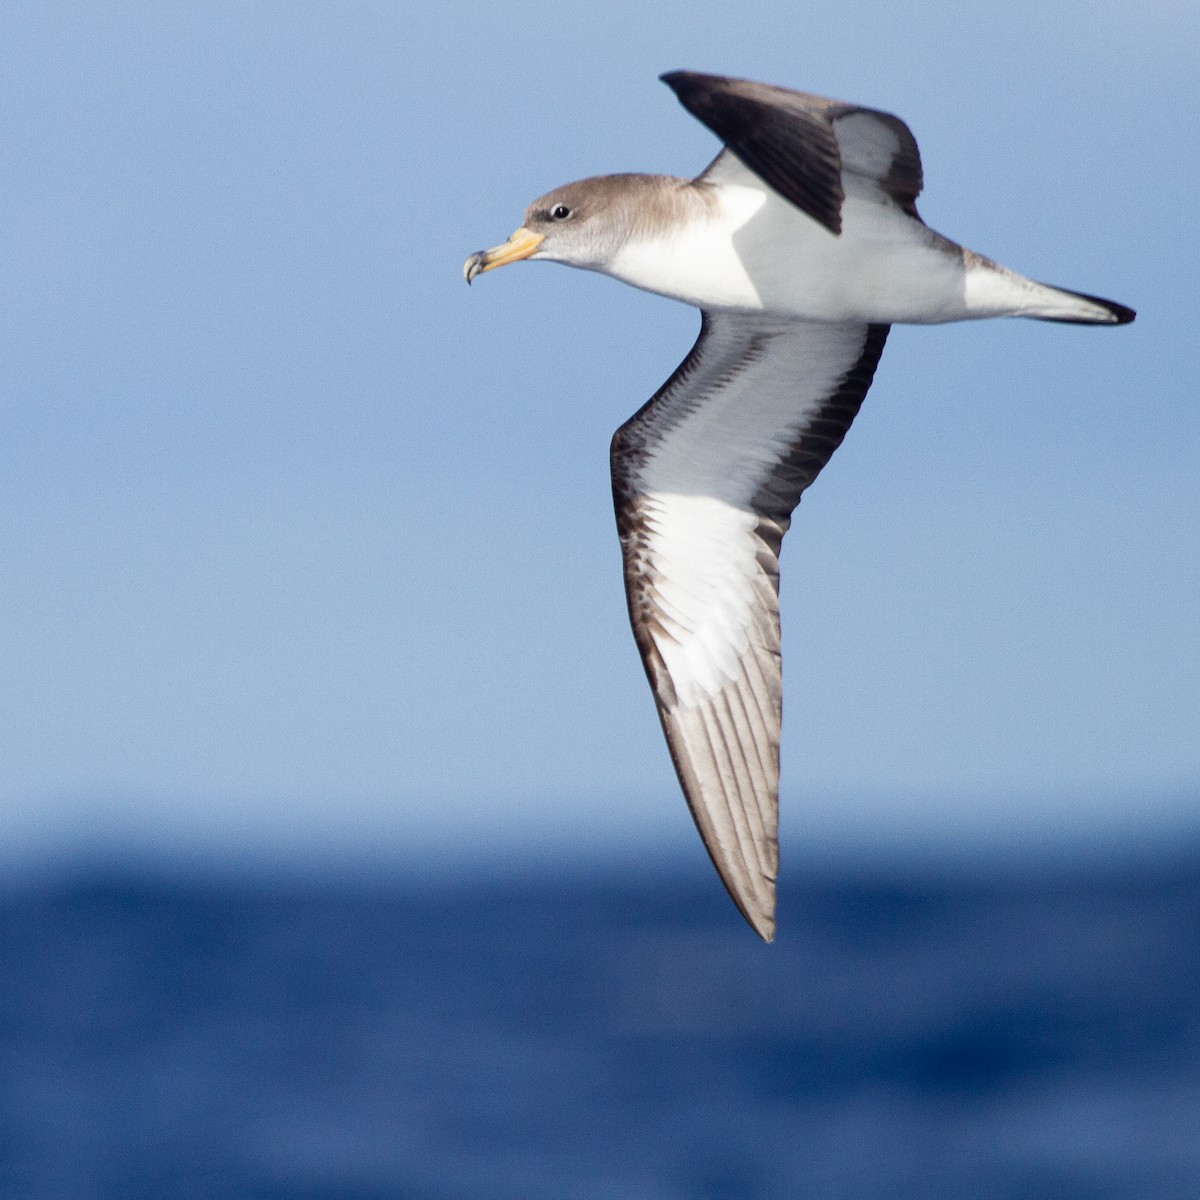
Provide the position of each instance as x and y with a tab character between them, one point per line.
913	1032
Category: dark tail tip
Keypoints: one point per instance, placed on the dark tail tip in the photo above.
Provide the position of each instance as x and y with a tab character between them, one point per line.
1120	314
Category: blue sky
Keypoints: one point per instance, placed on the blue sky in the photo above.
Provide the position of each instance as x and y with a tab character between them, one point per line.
308	549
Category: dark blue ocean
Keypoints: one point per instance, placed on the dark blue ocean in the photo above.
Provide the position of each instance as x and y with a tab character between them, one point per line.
1027	1033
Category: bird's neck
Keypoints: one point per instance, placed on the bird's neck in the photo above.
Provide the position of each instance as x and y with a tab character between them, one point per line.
683	247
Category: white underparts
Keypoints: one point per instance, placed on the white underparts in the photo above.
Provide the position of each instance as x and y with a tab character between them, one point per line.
747	249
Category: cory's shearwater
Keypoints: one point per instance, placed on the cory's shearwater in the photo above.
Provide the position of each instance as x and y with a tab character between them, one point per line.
801	245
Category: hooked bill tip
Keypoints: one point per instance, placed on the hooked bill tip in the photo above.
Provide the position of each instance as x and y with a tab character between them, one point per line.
473	266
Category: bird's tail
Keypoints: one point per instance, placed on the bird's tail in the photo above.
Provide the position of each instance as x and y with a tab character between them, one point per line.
1078	308
995	291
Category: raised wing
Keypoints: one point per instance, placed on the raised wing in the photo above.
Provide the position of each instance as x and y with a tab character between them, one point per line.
705	478
811	150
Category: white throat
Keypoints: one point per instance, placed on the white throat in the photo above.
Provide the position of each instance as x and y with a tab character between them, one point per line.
696	260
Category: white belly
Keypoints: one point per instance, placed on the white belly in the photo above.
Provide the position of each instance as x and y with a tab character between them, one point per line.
751	250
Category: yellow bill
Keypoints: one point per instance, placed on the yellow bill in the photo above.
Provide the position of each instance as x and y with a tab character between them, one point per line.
520	245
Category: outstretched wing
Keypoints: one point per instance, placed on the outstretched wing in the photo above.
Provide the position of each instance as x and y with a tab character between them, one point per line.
705	478
811	150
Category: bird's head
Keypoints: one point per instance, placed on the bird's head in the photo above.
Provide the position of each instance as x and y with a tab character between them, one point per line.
581	224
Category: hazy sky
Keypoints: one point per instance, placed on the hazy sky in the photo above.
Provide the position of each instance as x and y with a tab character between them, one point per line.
305	546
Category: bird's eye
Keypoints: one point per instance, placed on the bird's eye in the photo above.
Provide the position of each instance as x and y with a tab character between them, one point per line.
560	212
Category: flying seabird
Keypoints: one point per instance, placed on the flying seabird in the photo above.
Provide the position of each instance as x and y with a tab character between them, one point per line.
801	245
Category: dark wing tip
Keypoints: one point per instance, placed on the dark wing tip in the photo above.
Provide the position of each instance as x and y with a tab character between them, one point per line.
696	91
679	81
763	923
691	82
